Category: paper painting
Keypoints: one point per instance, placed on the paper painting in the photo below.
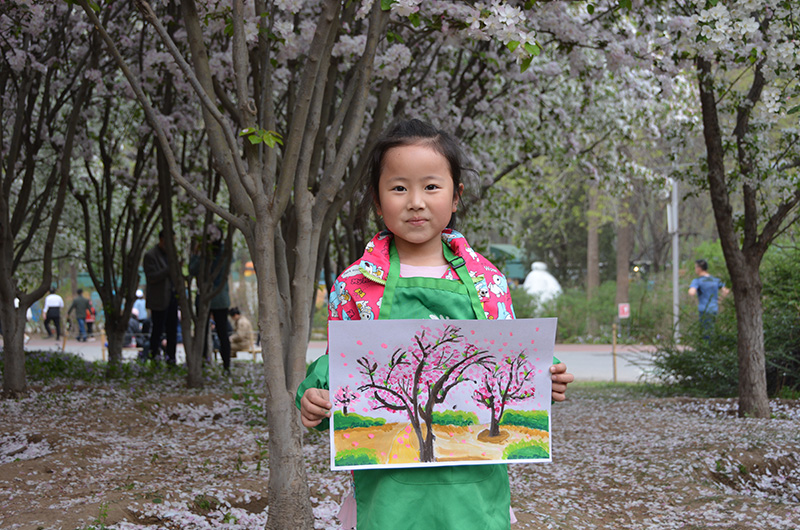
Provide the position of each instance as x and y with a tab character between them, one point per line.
416	393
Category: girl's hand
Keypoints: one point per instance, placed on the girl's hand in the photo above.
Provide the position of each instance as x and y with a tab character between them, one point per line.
560	381
314	406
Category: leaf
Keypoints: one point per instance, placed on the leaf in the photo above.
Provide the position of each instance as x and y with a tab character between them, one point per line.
512	45
533	49
794	110
590	9
386	5
526	63
627	4
414	19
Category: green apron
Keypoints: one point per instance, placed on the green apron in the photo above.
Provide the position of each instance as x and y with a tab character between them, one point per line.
463	497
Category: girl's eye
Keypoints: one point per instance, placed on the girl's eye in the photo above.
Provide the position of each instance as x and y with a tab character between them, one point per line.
399	188
431	187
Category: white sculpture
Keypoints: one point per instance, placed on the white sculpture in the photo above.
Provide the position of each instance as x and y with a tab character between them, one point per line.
541	283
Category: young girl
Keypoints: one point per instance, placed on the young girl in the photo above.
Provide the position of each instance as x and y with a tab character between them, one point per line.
419	267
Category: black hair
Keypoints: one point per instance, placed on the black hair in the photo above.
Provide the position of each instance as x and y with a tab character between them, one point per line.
703	264
234	311
412	132
79	292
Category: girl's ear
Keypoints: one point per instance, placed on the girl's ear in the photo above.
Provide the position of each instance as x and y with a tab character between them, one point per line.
457	197
377	204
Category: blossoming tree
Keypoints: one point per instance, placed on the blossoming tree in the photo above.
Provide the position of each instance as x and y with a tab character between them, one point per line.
508	381
419	377
344	396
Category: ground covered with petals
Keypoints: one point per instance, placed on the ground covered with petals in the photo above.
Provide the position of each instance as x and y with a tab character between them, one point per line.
144	452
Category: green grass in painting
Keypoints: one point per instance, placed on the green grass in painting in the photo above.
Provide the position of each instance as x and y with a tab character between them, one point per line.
526	449
455	417
532	419
361	456
342	422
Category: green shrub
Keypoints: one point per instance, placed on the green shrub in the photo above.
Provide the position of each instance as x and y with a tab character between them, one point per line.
526	449
702	364
455	417
532	419
342	422
361	456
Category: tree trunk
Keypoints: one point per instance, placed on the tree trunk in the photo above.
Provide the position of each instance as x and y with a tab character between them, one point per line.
592	255
494	427
753	398
426	453
625	243
288	491
13	320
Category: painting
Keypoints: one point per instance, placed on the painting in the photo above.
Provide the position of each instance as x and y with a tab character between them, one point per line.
417	393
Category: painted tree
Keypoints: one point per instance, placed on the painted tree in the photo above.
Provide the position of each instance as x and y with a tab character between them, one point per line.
45	48
345	397
419	376
508	381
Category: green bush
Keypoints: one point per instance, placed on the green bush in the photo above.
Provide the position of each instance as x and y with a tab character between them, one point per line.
361	456
454	417
702	364
532	419
342	422
526	449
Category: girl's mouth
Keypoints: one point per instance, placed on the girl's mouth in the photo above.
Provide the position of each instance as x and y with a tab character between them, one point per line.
416	221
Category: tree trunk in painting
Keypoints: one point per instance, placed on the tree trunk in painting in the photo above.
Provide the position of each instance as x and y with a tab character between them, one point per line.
494	428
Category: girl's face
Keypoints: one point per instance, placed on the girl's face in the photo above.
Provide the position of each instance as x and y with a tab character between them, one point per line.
416	199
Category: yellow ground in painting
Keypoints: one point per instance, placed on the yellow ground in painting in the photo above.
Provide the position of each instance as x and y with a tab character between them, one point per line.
396	443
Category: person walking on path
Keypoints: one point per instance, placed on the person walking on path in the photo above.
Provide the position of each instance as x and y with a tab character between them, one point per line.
707	289
221	300
91	315
80	305
53	304
161	300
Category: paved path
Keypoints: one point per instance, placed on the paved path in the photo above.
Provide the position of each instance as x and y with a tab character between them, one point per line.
589	362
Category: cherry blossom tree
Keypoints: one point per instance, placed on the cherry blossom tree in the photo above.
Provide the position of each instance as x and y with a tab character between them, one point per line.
45	50
508	381
420	376
345	397
744	59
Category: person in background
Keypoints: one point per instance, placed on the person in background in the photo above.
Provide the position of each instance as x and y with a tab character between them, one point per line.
131	339
162	301
707	289
53	304
242	338
91	316
220	301
140	305
80	305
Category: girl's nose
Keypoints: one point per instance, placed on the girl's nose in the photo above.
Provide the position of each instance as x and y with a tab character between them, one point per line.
416	200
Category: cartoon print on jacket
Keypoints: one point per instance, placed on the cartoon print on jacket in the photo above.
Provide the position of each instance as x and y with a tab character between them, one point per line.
500	285
502	312
362	284
364	311
338	295
481	286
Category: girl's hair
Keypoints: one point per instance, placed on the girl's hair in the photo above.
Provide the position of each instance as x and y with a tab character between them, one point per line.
411	132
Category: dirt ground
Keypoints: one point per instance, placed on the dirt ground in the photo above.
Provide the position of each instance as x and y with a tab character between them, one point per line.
153	455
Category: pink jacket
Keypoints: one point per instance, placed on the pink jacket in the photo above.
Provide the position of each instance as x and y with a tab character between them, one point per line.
357	292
